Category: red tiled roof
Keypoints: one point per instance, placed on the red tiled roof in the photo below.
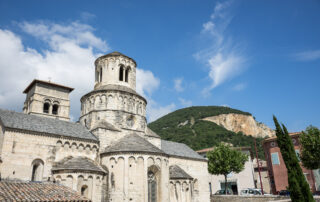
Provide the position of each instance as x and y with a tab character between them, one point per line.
37	191
275	137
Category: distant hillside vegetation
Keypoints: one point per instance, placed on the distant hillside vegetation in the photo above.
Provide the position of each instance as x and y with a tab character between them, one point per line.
185	126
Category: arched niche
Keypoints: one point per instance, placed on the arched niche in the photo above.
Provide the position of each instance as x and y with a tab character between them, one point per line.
37	170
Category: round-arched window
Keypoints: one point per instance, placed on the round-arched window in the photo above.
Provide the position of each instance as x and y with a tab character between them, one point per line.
55	109
46	107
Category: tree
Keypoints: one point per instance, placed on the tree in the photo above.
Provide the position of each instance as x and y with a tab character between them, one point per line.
298	186
310	154
224	160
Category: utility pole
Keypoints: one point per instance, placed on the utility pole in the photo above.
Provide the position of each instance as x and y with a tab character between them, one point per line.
255	146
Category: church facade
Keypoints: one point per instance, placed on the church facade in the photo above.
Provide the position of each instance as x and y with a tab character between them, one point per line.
109	154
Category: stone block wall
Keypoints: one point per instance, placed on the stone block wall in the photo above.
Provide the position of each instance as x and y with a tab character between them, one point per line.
21	149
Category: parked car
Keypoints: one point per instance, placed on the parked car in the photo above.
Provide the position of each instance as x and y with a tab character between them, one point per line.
223	192
250	192
284	193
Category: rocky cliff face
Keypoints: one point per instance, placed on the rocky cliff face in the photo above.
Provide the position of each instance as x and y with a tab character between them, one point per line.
242	123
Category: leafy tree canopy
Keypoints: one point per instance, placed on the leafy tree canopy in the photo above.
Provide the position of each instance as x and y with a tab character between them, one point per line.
310	154
224	160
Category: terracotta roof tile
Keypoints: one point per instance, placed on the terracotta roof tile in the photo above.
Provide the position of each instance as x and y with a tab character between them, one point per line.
35	191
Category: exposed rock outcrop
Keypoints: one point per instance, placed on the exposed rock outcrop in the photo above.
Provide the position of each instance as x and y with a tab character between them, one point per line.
242	123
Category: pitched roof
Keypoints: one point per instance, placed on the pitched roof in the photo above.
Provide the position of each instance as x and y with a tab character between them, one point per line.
151	133
178	173
46	83
35	191
77	164
105	125
275	137
17	120
133	143
180	150
115	53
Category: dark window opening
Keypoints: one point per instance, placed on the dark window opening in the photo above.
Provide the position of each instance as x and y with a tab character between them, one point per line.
55	109
100	77
121	74
127	75
46	108
84	191
34	170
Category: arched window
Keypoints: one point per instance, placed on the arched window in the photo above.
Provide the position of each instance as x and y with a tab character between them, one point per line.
46	107
152	187
100	75
84	190
37	170
121	74
127	75
55	109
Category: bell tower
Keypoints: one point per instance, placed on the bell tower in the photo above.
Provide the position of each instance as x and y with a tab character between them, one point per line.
114	101
115	69
44	98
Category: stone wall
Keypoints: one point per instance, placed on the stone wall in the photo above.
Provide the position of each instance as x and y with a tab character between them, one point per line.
217	198
42	93
123	110
91	185
128	176
199	171
21	149
110	68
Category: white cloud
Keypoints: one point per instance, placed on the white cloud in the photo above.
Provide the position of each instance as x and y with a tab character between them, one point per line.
185	103
223	57
178	84
146	82
239	87
223	67
308	55
68	60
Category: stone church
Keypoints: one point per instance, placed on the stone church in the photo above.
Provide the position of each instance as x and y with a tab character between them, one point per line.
109	154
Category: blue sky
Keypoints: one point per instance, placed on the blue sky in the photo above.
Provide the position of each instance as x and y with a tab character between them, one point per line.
257	56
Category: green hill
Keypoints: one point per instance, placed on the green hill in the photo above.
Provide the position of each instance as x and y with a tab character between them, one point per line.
185	126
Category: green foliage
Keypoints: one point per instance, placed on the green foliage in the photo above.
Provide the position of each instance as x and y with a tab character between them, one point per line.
310	141
298	186
224	160
199	134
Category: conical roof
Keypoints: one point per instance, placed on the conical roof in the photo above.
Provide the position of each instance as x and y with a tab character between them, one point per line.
78	164
178	173
133	143
114	54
